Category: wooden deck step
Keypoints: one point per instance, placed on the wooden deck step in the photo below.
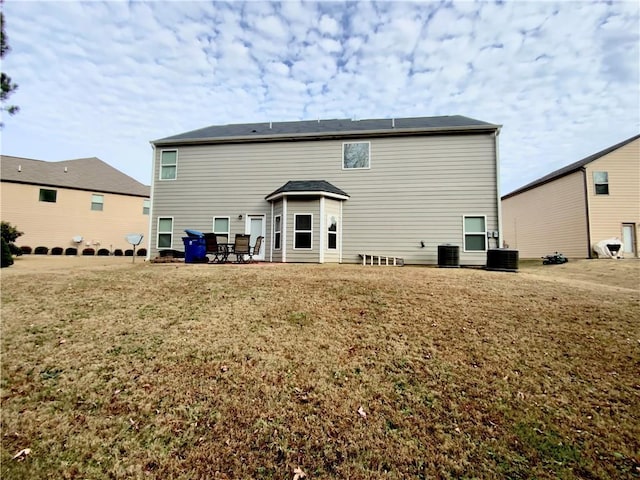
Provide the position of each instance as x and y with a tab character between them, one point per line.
381	260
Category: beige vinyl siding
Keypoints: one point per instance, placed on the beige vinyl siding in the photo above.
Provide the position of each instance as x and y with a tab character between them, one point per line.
307	206
418	188
55	224
547	219
622	204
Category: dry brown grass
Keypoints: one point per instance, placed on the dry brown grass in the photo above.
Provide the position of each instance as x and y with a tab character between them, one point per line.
120	370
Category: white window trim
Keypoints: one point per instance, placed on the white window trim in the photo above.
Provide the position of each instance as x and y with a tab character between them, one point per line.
465	233
228	232
306	249
329	215
158	232
144	205
94	195
595	184
276	248
160	169
355	168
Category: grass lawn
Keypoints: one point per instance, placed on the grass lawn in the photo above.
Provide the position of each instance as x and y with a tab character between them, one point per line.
119	370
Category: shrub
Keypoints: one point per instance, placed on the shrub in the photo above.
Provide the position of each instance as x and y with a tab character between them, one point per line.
103	252
41	250
118	252
71	251
128	253
7	259
10	234
142	252
88	252
26	250
56	251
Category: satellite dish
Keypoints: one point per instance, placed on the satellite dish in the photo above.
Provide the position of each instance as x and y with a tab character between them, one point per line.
77	239
134	238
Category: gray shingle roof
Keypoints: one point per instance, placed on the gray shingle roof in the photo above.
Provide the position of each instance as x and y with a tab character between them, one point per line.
298	186
82	174
573	167
326	128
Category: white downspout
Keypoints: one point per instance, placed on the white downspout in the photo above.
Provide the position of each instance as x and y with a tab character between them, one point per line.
321	233
271	235
500	240
153	182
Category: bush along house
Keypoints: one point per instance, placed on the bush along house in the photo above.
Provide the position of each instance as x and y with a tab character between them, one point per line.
329	191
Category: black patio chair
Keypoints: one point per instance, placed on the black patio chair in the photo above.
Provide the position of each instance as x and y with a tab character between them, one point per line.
255	250
218	251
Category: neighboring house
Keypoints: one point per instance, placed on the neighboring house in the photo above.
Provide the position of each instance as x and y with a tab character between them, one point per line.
53	202
329	190
571	209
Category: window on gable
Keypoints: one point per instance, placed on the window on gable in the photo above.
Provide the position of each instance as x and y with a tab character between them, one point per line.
165	232
168	164
277	232
601	182
146	206
355	155
332	233
48	195
475	234
97	202
302	231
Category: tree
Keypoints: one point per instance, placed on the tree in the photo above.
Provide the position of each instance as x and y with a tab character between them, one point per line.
8	86
7	259
9	235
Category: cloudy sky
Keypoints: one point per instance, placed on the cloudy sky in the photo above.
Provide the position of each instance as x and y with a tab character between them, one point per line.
104	78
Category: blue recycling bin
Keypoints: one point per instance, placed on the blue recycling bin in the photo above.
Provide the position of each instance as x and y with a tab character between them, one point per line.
195	250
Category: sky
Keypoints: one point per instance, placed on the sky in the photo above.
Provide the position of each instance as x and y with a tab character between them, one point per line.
103	79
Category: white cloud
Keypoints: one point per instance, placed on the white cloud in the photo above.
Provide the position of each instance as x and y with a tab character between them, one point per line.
104	78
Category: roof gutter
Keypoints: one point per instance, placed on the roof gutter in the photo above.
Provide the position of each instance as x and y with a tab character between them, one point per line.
316	193
283	137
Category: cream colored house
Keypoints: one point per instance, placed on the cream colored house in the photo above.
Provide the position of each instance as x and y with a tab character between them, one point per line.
53	202
569	210
327	191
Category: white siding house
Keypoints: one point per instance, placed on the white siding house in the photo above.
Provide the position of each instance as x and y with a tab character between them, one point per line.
329	190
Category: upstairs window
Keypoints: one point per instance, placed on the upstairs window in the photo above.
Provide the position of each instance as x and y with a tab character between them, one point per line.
168	164
165	232
601	181
355	155
146	206
277	232
475	234
302	231
48	195
97	202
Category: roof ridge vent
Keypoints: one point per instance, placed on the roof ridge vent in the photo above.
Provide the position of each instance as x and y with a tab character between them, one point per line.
270	125
19	168
393	123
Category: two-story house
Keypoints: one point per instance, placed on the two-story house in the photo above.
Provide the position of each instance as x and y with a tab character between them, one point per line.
86	199
571	209
329	190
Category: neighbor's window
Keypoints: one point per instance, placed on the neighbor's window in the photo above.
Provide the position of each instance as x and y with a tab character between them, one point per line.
48	195
146	206
277	232
475	234
601	181
355	155
168	164
332	232
221	228
97	202
302	231
165	232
